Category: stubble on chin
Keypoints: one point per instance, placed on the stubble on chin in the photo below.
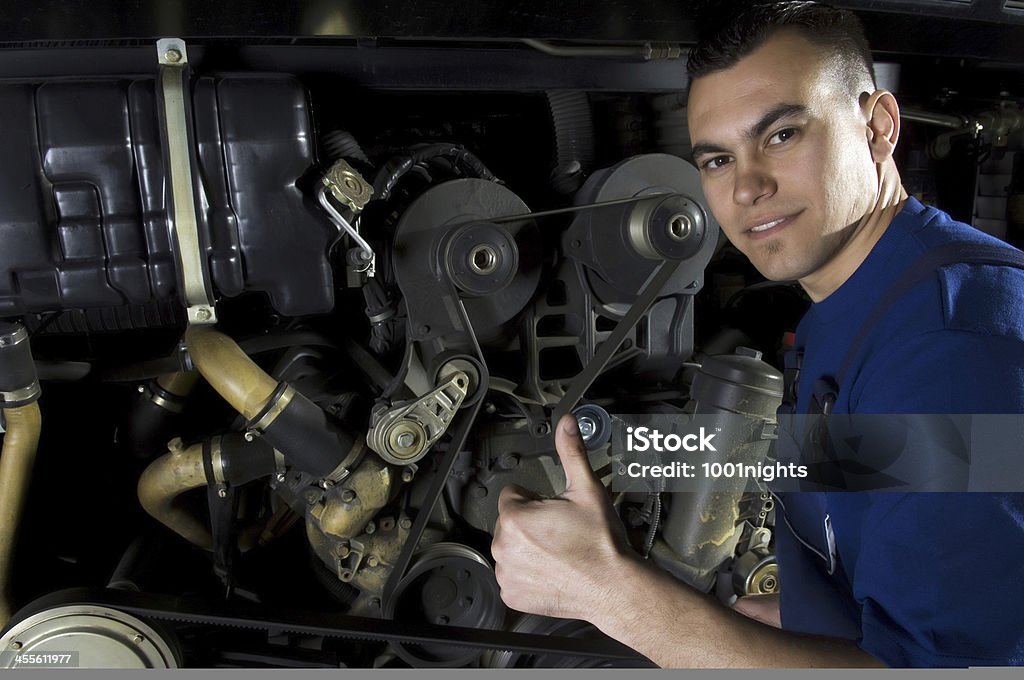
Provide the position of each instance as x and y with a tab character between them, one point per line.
773	247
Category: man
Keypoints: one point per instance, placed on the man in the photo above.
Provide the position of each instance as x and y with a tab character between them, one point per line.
794	144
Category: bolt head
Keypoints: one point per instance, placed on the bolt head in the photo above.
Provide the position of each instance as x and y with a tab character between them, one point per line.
173	56
405	523
203	314
138	639
280	477
370	527
588	428
222	493
249	436
372	561
140	389
407	475
16	645
348	495
405	440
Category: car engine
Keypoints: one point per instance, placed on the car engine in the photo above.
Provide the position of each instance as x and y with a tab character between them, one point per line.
280	321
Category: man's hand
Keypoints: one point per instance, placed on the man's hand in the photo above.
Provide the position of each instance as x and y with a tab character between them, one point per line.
560	556
568	557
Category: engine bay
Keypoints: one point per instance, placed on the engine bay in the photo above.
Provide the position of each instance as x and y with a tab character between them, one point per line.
294	330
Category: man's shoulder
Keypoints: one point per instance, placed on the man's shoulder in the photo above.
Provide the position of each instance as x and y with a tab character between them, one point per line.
978	298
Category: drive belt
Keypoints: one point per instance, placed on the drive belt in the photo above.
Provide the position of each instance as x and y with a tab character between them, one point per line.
242	615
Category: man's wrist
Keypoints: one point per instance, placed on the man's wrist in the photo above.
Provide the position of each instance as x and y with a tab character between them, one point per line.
631	582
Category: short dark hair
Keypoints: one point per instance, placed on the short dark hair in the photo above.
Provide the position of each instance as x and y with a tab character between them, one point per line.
726	37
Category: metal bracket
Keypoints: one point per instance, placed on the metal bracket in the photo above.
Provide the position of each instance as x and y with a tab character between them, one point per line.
404	434
347	186
173	59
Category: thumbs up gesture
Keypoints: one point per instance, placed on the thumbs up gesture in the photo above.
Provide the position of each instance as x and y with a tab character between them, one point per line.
560	556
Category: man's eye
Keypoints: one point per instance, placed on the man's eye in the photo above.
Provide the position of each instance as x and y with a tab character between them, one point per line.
781	136
715	163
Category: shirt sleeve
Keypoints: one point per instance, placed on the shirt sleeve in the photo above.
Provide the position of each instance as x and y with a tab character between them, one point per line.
938	575
940	584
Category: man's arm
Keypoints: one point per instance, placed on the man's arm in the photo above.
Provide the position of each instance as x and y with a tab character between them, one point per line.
568	557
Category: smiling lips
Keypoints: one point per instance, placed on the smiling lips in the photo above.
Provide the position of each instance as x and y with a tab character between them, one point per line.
765	228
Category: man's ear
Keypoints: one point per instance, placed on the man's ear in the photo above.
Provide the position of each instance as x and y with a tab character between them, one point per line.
883	118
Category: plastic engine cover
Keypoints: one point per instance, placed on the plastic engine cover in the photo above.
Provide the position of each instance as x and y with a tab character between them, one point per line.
84	206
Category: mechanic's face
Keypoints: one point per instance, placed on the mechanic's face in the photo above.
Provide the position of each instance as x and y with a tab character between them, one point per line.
784	157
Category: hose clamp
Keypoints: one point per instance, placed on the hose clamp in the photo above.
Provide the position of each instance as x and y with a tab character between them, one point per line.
21	397
277	403
15	336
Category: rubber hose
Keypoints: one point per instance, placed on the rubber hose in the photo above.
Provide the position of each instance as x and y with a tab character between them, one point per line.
574	138
342	144
385	181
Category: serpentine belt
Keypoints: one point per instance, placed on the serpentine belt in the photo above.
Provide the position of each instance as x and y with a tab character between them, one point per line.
192	610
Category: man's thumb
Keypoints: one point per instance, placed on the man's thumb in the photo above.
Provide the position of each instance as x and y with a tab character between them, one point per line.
573	454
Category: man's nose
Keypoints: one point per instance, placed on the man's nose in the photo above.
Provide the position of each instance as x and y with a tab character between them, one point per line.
753	181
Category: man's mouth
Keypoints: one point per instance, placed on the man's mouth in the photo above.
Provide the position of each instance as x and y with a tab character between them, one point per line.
766	227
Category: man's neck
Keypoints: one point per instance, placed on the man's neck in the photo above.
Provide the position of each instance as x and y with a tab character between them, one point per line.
888	202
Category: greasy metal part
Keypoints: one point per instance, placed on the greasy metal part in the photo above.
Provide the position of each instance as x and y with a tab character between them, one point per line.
703	527
337	517
198	611
346	508
367	561
369	257
348	186
21	441
230	372
404	434
162	484
173	60
98	636
755	572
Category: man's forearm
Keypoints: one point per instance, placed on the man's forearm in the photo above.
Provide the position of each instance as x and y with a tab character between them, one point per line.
696	632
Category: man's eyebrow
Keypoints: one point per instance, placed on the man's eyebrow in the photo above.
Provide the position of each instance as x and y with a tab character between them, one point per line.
771	117
701	149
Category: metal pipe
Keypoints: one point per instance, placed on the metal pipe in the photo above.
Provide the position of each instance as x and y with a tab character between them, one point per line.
162	485
24	424
937	119
289	421
644	52
230	372
165	481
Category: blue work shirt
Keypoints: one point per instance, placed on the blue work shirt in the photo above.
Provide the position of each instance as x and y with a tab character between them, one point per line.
917	579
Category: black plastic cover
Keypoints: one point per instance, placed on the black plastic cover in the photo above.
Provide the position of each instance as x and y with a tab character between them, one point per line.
84	204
